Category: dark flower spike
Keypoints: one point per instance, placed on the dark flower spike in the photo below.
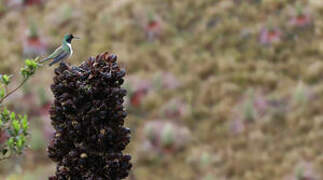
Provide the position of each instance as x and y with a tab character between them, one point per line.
88	116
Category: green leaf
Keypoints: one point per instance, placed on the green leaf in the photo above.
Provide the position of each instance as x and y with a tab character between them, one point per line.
24	73
11	142
16	126
24	123
1	123
31	64
5	112
13	116
29	69
5	79
5	115
2	92
28	62
20	143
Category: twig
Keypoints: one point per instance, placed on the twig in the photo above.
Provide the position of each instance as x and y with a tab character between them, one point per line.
20	85
14	90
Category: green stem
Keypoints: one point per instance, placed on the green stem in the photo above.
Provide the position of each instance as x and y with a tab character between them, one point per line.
14	90
18	87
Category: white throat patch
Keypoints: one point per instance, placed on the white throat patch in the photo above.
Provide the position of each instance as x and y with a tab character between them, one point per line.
70	46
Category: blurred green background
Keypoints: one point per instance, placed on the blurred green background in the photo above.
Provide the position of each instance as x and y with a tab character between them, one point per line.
218	90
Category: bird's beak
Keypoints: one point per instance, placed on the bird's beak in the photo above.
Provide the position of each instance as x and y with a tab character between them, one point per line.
77	38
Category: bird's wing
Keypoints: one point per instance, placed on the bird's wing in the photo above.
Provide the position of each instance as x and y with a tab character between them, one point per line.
61	56
57	52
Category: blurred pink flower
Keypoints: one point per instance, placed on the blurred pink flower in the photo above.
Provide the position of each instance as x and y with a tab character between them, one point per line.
153	29
270	36
260	104
32	2
137	96
166	80
13	3
254	105
175	108
301	20
34	46
164	136
304	171
138	89
170	81
236	126
21	3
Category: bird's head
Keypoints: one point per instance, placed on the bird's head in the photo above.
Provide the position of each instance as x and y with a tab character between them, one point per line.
69	37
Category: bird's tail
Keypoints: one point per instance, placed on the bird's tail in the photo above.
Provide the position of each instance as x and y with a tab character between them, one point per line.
52	63
44	60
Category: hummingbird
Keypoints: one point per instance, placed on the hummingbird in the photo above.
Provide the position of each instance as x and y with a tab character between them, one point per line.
62	52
